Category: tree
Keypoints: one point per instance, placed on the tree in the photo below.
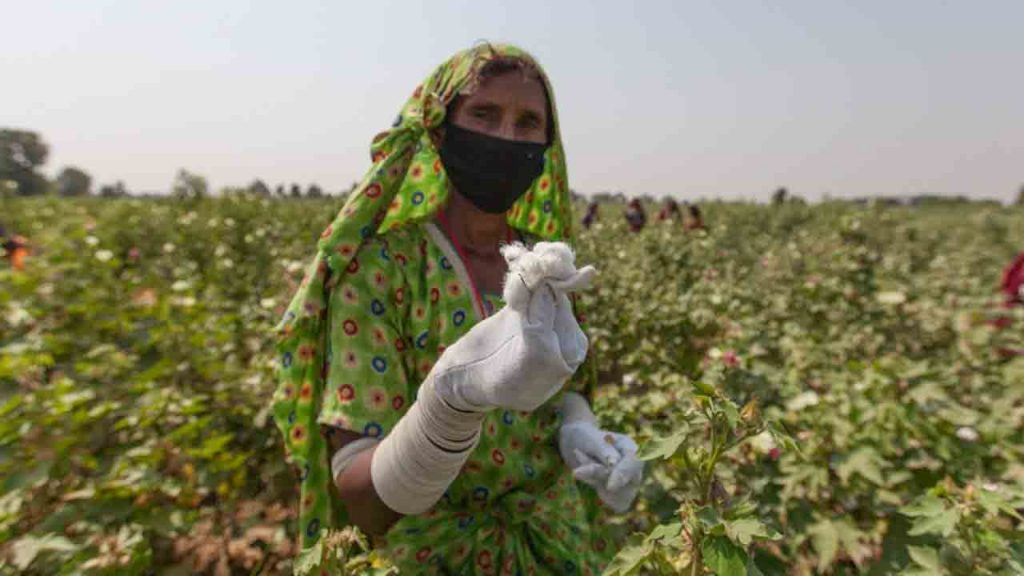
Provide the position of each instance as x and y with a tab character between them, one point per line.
21	154
115	190
296	191
779	197
1020	196
279	191
314	191
189	186
74	182
259	188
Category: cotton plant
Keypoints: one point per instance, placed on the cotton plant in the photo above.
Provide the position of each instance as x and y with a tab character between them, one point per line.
715	530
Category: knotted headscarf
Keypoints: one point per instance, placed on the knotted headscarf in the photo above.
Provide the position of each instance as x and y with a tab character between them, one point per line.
406	184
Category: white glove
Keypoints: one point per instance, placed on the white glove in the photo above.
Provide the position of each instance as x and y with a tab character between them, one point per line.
603	460
424	453
520	357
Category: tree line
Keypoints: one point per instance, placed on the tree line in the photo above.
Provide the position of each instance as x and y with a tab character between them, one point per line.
23	153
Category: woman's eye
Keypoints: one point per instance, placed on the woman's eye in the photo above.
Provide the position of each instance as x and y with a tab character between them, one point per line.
529	123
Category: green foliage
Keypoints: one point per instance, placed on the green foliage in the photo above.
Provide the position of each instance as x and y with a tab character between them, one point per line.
817	389
717	527
189	186
73	182
22	153
869	335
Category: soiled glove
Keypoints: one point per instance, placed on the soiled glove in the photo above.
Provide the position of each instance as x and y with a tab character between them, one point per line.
603	460
521	356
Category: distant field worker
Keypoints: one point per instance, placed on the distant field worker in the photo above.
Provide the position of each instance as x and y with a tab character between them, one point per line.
15	249
431	390
670	212
696	220
1012	289
1013	282
592	214
635	215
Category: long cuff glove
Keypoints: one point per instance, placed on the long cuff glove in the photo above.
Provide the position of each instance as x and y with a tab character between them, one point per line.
521	356
603	460
421	457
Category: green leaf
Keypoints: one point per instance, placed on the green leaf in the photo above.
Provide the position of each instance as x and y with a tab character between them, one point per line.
630	558
850	540
746	530
732	414
723	557
310	559
863	461
994	503
925	506
927	558
665	532
705	388
26	549
664	447
825	539
942	524
27	478
708	517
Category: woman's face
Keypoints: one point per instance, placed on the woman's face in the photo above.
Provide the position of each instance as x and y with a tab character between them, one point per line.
507	107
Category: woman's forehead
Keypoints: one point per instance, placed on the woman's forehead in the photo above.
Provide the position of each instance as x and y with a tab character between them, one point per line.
512	89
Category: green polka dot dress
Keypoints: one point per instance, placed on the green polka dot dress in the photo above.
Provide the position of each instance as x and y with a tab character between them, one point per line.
380	302
515	505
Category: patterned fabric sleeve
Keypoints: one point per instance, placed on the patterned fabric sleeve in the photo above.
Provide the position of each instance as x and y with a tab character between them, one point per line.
369	365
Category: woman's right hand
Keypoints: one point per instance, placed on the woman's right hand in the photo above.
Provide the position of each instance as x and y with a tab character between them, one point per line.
520	357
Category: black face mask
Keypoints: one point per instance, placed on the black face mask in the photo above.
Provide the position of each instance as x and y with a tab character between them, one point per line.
491	172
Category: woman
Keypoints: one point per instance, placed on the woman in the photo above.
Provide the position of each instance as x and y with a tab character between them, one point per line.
592	214
670	212
1012	285
696	218
1012	288
445	482
635	215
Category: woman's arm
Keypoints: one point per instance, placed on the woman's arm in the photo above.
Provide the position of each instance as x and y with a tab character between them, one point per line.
355	488
411	467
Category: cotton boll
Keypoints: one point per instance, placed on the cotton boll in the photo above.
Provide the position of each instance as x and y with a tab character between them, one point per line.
547	260
967	434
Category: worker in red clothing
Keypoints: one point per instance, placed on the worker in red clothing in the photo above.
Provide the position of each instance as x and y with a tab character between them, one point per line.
670	212
1012	288
1013	280
15	248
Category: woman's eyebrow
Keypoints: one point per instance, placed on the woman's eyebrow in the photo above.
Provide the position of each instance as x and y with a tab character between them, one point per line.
485	107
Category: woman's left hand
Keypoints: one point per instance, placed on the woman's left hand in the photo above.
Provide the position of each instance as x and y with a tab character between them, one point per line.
603	460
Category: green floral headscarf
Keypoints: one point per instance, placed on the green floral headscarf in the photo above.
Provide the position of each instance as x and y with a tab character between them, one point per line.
406	184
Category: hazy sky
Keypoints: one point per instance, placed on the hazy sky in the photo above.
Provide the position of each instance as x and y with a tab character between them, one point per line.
722	98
